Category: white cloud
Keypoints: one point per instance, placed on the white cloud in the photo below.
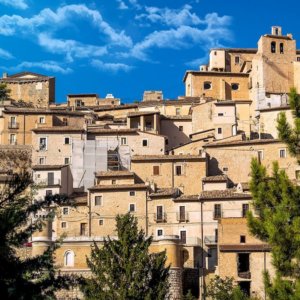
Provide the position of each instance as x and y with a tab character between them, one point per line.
122	4
70	48
113	67
5	54
195	63
135	4
171	17
51	20
51	66
21	4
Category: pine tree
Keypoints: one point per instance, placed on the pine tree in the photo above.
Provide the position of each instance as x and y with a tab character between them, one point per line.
277	203
124	269
34	277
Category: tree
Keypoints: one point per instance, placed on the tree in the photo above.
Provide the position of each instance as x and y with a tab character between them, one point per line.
277	201
288	134
4	92
34	277
124	269
223	289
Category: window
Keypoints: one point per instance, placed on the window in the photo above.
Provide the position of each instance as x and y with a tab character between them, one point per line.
178	170
50	178
182	215
242	239
98	200
273	47
166	141
67	160
236	60
298	58
220	114
260	154
42	160
281	49
145	143
65	210
132	193
282	153
78	103
235	86
123	141
243	262
13	139
101	222
43	144
225	169
183	236
155	170
48	192
13	123
69	259
216	235
207	85
132	207
245	208
67	141
63	224
160	232
42	120
217	211
83	229
219	130
65	121
159	213
177	111
180	128
114	181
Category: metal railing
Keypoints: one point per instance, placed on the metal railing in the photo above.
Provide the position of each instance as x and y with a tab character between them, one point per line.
245	275
159	218
182	217
13	125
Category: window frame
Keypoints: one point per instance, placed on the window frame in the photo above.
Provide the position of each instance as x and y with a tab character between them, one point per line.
101	200
156	167
206	83
129	207
285	152
147	142
42	118
45	148
63	211
69	138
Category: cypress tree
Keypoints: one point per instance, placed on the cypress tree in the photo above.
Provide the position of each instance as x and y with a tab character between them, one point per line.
124	269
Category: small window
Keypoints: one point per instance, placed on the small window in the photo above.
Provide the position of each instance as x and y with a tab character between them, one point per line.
242	239
43	144
67	141
63	224
177	111
236	60
114	181
282	153
207	85
166	141
180	128
183	236
217	211
160	232
145	143
215	52
78	103
42	160
273	47
225	169
178	170
42	120
13	139
101	222
281	49
65	211
132	207
69	259
245	208
219	130
132	193
83	229
298	58
220	114
48	192
67	160
234	86
155	170
123	141
260	154
98	200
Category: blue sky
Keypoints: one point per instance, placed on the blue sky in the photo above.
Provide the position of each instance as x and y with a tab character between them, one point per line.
127	46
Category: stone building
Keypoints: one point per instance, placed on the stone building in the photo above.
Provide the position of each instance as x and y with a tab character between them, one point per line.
37	89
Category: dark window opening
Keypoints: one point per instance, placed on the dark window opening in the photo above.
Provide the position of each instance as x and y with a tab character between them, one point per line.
183	236
159	213
245	208
237	60
245	287
178	170
217	211
234	86
243	239
244	265
273	47
219	130
207	85
281	48
180	128
182	217
155	170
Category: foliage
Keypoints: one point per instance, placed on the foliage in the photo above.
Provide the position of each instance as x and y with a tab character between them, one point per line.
223	289
4	92
189	296
123	267
277	200
291	135
33	277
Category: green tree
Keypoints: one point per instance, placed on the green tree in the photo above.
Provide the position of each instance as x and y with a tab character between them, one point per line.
277	201
288	133
34	277
224	289
4	92
124	269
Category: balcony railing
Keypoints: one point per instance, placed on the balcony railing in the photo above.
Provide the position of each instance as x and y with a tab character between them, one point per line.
217	215
245	275
160	218
13	125
210	240
182	217
48	182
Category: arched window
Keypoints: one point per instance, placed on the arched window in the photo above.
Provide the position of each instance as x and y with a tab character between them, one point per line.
273	47
69	259
281	48
207	85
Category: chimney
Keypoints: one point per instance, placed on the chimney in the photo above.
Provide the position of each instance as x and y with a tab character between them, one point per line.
4	75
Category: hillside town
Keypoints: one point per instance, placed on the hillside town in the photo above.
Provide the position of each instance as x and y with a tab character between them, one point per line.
181	166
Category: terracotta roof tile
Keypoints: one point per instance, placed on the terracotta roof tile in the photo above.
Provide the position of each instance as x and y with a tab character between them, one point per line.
217	178
223	194
167	157
47	167
137	186
59	129
142	113
187	198
241	143
124	173
165	192
244	247
113	131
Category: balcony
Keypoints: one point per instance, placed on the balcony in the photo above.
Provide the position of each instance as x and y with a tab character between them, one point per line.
245	275
42	147
210	240
160	218
12	142
13	125
182	217
44	183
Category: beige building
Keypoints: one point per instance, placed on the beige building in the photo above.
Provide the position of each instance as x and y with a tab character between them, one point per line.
37	89
242	256
91	100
